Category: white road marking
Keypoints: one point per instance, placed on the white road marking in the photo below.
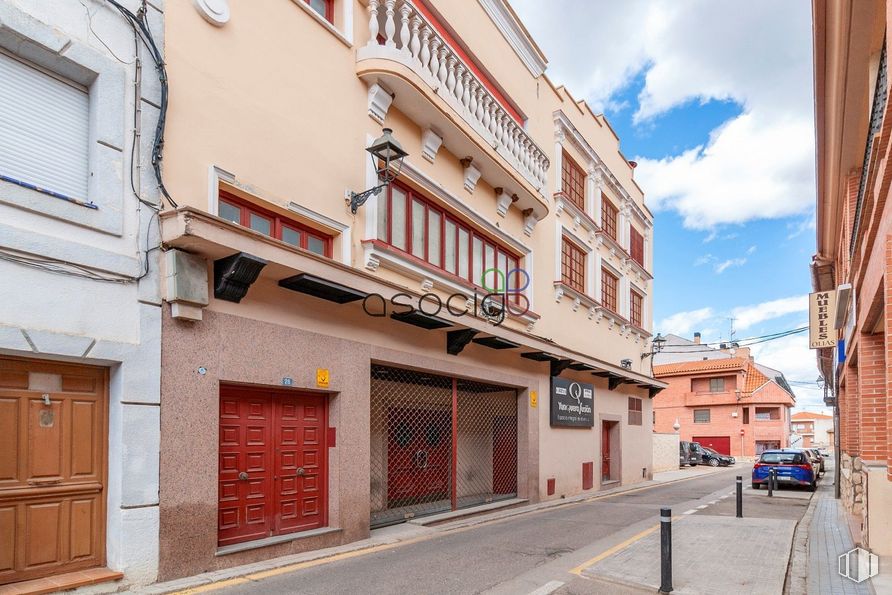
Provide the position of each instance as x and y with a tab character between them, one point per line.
691	511
725	496
713	501
549	587
702	506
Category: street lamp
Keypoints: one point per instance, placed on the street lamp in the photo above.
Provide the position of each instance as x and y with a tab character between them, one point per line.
385	150
658	343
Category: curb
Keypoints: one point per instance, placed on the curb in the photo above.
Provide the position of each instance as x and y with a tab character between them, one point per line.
206	581
797	583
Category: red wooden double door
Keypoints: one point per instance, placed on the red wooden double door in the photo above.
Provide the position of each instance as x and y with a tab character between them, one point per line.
273	463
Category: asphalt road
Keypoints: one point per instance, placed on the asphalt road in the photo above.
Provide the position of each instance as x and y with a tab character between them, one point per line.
526	552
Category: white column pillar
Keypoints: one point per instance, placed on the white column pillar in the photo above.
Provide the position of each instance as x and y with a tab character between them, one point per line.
597	183
558	160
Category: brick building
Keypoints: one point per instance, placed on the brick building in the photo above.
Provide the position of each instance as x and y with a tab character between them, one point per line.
812	429
722	400
854	251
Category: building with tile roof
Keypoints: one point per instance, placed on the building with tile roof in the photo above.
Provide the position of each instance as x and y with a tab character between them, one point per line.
812	429
721	398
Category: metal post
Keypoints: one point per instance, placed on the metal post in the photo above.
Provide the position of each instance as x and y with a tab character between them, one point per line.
453	495
665	550
770	481
740	496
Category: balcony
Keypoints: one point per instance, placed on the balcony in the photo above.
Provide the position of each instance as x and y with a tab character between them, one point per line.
408	55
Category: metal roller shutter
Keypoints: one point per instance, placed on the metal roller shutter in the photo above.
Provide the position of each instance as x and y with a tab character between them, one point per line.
43	129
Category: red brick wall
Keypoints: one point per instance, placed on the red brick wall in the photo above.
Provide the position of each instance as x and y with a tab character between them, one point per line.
872	393
669	405
851	418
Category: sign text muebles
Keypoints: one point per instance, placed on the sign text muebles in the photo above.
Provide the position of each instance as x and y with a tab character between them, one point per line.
821	325
572	403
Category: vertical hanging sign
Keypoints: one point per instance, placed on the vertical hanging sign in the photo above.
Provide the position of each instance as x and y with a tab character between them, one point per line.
821	312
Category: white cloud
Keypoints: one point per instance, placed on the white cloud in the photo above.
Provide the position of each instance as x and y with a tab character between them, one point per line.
683	323
758	165
748	316
705	259
751	249
721	267
792	356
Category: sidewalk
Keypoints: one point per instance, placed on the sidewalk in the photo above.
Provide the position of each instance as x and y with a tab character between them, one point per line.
389	537
828	537
751	557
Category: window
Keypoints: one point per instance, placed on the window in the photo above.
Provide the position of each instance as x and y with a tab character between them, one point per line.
635	306
634	411
716	385
767	413
608	290
44	130
636	245
268	223
608	216
572	181
746	415
324	8
572	265
701	416
409	222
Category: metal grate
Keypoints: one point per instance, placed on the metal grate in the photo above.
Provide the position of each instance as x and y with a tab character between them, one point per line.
438	444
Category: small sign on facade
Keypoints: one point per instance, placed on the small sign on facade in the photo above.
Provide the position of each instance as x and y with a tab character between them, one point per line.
572	403
322	377
534	399
821	313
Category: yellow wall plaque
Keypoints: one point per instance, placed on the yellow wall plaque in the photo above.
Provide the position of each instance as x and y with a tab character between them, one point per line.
322	377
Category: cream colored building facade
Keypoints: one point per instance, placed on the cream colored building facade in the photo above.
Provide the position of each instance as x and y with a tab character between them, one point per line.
272	326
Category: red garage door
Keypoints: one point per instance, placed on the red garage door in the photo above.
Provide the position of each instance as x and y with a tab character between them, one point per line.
720	444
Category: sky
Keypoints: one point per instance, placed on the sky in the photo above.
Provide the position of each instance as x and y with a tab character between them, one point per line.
714	100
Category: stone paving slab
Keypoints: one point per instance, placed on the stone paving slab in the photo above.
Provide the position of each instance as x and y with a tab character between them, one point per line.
747	555
828	537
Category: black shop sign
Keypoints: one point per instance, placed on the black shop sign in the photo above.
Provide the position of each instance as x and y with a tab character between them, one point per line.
572	403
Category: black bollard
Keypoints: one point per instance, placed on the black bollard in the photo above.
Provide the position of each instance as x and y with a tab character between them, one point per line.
770	481
665	550
740	496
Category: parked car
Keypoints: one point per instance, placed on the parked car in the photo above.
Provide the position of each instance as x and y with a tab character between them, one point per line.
814	458
824	453
816	453
689	454
715	458
792	467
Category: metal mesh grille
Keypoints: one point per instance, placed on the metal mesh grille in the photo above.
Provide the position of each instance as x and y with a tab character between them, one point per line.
438	444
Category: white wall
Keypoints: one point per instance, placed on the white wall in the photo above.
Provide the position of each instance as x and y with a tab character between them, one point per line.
109	323
665	452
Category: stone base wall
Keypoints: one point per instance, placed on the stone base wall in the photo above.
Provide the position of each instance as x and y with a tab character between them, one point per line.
853	482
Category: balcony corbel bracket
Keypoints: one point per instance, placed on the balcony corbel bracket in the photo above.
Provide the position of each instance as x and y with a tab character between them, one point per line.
457	340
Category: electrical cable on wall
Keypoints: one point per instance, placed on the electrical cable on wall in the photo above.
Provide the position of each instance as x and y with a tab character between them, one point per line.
140	25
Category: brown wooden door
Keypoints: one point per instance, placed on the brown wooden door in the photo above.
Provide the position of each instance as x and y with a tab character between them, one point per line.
53	437
273	463
605	450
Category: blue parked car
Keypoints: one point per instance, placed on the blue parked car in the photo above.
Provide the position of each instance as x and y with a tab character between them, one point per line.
792	467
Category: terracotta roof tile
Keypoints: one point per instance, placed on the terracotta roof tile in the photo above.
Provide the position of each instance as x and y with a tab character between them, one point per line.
754	378
809	415
734	363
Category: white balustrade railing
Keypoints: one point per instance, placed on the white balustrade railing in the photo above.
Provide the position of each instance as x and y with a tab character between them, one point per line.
409	34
